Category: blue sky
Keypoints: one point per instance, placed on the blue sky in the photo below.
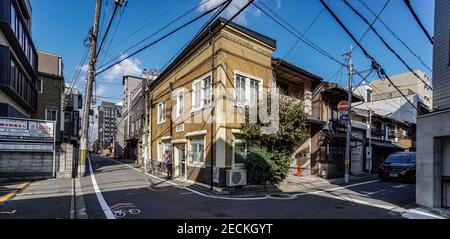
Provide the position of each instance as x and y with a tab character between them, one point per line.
60	27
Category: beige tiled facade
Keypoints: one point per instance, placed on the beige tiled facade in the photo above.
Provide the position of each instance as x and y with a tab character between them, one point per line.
216	125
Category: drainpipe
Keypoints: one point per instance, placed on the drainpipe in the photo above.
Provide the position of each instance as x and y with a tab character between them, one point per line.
212	110
171	125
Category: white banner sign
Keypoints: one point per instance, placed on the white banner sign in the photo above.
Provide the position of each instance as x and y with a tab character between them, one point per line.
26	130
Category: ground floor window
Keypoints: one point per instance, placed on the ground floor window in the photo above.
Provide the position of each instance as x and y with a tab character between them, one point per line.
240	154
164	149
197	152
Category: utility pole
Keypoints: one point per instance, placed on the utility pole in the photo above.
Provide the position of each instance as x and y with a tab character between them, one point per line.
370	141
349	121
88	95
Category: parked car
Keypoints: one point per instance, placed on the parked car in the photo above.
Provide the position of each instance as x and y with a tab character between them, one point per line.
399	166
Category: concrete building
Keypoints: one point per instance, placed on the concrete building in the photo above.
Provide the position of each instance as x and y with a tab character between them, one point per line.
50	85
135	124
433	129
407	83
108	116
132	86
18	60
383	99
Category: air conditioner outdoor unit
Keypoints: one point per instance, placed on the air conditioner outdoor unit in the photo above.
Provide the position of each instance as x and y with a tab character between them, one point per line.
236	178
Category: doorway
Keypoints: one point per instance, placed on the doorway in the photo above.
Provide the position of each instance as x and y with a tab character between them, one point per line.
180	161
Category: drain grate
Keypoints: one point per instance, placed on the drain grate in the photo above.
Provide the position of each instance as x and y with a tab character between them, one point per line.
281	196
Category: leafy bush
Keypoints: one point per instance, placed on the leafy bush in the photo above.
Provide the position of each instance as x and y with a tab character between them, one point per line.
266	166
269	155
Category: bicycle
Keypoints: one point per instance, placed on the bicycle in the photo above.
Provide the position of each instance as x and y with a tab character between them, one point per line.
122	213
154	167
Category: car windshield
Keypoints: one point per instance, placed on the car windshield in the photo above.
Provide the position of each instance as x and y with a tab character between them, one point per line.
401	158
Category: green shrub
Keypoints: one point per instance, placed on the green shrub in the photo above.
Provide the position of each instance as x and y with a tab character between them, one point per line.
266	166
268	157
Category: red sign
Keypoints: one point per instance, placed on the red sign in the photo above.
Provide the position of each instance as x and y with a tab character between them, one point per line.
343	106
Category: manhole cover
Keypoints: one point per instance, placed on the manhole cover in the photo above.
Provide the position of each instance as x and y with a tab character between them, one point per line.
281	196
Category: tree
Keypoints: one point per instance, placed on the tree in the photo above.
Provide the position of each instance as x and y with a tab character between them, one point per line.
269	155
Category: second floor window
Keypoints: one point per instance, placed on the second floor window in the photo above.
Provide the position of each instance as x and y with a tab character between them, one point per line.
40	85
180	104
247	90
51	114
201	93
161	112
369	96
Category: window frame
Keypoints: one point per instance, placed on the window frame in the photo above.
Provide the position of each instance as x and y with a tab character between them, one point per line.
40	83
233	162
159	116
181	105
247	88
190	161
203	90
53	110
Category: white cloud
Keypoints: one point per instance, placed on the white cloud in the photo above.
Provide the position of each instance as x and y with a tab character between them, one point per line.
83	68
232	9
101	90
278	4
127	67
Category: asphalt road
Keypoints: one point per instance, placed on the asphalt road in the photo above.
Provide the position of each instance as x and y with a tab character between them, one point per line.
123	192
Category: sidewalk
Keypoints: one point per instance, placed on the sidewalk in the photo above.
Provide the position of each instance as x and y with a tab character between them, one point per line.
294	184
421	213
46	199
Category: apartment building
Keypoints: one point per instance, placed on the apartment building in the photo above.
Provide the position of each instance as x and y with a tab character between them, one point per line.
108	116
433	129
381	97
197	104
135	124
18	60
50	87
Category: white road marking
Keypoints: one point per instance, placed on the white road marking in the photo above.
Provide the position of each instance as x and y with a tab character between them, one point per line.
337	188
401	186
98	193
373	193
419	213
245	199
388	207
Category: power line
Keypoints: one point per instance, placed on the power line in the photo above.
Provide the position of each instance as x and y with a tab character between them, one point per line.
205	26
411	9
162	37
107	28
113	36
303	34
161	29
386	44
396	36
208	38
374	21
380	70
77	73
148	23
295	32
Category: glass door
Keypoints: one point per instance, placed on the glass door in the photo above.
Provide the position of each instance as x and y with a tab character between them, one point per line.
182	161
